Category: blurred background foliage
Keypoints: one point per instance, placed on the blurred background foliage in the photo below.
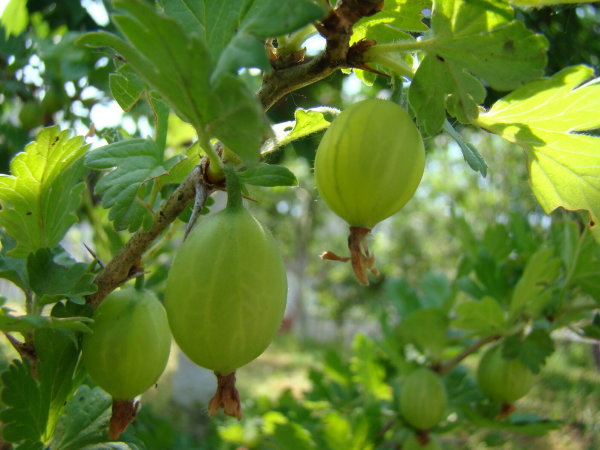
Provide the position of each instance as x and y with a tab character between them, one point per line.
322	384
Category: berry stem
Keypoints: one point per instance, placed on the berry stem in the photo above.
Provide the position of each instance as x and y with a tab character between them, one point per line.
226	397
123	413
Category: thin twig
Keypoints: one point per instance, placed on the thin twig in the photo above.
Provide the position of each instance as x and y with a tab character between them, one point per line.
446	367
336	28
118	270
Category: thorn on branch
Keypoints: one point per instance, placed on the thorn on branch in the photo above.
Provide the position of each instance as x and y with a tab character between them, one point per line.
91	252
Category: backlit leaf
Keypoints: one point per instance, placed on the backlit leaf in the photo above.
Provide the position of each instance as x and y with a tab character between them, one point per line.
40	196
548	119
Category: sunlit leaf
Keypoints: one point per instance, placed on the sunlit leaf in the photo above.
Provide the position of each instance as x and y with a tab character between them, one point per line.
15	17
40	197
548	119
305	123
472	41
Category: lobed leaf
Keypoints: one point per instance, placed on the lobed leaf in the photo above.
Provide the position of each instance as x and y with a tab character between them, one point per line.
14	18
53	275
305	123
367	371
85	419
135	162
548	119
40	197
234	30
532	351
268	175
484	317
390	24
26	412
58	371
177	64
472	41
532	294
426	329
126	87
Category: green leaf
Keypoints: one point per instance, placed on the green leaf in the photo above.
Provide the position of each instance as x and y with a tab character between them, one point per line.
126	87
390	23
218	21
237	118
532	351
26	412
337	431
426	329
367	371
58	372
472	39
292	435
30	322
470	153
547	119
189	13
268	175
497	241
483	38
135	162
15	17
244	50
403	296
40	197
272	18
532	294
305	123
177	64
340	432
234	30
440	84
581	256
85	419
489	273
483	317
53	275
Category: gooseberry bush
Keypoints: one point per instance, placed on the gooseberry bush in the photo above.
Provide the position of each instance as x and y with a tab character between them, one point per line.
451	353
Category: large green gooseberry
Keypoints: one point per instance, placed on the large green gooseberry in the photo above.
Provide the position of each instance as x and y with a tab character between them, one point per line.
129	347
503	380
226	291
369	162
423	399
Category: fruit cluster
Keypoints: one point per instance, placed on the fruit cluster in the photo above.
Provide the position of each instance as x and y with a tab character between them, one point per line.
226	289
